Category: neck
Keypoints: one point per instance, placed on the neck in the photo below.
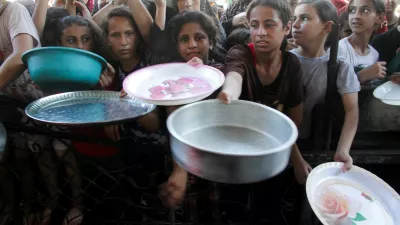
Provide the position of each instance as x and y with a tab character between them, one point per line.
312	50
360	41
268	58
128	64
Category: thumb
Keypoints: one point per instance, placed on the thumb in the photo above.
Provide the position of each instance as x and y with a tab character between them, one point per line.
224	97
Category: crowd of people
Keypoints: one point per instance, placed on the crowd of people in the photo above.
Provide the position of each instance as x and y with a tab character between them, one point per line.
273	52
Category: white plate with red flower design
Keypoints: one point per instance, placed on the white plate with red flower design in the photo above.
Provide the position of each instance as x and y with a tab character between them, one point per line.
173	83
356	197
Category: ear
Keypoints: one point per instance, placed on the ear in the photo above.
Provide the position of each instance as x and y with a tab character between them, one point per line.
287	28
211	46
328	27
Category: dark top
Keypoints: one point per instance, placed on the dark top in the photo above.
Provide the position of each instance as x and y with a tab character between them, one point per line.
286	89
387	44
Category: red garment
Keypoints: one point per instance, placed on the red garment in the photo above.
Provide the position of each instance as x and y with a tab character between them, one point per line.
383	28
341	6
253	52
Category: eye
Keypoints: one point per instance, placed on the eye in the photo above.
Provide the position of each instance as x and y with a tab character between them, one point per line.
366	10
352	11
184	39
270	25
254	25
305	18
199	38
129	33
87	39
115	35
71	40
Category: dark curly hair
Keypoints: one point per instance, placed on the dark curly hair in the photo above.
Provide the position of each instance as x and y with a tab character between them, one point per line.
282	7
207	23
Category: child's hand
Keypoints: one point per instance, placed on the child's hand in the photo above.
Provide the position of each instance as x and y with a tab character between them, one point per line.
84	10
173	191
112	131
195	62
395	78
291	44
122	93
224	97
301	171
107	77
377	70
344	157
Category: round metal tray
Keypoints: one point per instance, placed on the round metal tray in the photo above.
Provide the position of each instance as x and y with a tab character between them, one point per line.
87	108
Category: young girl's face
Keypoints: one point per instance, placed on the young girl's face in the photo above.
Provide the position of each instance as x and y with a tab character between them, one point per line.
266	29
307	26
363	16
122	38
76	36
193	41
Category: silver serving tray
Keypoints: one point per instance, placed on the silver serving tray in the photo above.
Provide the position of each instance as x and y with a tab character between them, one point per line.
87	108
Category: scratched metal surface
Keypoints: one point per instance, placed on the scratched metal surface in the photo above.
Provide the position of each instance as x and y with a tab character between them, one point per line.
87	108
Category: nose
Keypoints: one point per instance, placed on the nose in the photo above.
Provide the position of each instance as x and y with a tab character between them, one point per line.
192	43
358	13
124	40
296	24
188	4
262	31
79	44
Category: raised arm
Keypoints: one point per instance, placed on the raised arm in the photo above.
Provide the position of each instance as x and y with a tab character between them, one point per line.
13	66
39	16
161	13
142	17
98	18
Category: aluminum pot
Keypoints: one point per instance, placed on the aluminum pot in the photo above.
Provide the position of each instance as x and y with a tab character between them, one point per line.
242	142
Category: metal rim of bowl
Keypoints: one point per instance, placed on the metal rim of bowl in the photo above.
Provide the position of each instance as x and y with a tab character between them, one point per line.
283	147
26	54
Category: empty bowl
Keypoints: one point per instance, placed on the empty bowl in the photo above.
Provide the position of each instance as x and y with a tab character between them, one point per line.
63	69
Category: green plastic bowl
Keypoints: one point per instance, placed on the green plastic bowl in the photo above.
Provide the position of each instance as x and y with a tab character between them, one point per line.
60	69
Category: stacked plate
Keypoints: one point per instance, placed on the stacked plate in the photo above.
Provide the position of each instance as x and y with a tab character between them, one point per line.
388	93
356	197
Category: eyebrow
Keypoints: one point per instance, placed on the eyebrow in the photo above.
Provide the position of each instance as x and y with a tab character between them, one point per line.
264	21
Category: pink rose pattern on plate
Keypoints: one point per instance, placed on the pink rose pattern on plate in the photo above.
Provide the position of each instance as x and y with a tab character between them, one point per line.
183	85
338	208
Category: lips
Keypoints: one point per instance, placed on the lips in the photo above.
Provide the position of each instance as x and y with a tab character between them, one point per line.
125	51
193	54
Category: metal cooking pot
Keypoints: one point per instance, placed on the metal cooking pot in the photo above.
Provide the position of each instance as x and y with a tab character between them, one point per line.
243	142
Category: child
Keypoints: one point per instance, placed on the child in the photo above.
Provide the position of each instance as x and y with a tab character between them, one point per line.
312	24
194	35
127	45
261	72
364	17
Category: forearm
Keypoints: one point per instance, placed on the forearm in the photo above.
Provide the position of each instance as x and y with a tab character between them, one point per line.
233	85
39	16
150	122
363	76
295	155
141	16
99	17
348	131
11	69
161	16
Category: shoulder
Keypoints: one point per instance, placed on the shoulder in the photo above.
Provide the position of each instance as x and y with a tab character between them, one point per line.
239	50
292	60
15	8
